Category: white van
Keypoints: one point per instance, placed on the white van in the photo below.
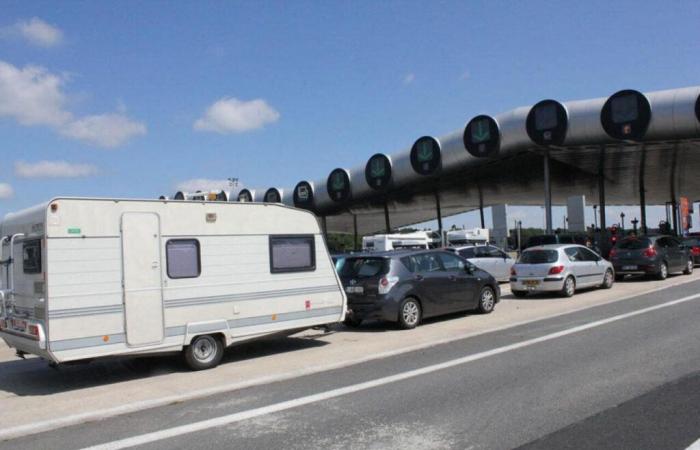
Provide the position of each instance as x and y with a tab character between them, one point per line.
387	242
474	236
86	278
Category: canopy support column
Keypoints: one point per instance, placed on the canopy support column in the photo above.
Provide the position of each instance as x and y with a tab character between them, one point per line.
439	217
642	190
547	194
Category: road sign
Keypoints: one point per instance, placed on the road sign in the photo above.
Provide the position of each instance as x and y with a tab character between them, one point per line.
378	171
425	155
338	185
482	137
303	195
547	123
626	115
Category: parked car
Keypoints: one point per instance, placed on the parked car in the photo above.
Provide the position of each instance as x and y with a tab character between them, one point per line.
560	268
693	244
559	238
651	255
407	286
489	258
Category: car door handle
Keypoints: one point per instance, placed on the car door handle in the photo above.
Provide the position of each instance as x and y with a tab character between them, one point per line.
418	277
452	278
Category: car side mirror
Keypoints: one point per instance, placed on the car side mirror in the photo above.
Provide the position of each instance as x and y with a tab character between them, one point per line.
469	269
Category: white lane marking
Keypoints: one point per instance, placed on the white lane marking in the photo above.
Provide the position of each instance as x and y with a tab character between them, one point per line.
76	419
295	403
694	446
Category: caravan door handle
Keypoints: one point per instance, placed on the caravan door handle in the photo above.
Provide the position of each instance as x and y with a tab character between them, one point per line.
154	265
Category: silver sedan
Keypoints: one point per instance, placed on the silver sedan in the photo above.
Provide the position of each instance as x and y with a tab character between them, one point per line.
560	268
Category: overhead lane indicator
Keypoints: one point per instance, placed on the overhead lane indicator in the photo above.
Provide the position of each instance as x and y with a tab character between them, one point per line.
273	195
378	172
482	137
304	195
425	156
626	115
547	123
338	185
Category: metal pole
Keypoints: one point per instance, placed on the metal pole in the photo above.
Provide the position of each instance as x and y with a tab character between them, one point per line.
601	188
547	194
481	204
439	217
674	203
387	223
642	191
354	234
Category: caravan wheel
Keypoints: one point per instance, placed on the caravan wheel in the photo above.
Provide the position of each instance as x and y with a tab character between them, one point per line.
204	352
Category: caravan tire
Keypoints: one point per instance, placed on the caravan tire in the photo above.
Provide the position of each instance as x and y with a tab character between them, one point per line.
204	352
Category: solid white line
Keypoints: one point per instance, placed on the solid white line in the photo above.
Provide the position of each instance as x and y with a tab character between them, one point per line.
694	446
256	412
75	419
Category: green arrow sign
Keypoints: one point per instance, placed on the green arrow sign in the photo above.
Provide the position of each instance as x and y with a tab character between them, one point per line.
425	151
377	168
481	131
338	182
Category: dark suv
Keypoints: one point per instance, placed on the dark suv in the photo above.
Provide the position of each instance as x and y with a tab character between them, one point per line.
651	255
406	286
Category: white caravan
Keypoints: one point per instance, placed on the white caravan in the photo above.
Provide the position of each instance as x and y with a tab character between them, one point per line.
86	278
465	237
386	242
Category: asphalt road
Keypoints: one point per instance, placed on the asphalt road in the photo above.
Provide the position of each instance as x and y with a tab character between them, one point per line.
605	377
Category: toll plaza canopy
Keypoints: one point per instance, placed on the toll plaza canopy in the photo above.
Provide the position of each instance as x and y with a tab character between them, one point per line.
629	148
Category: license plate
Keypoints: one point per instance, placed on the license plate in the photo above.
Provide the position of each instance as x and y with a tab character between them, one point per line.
355	289
629	267
20	325
532	282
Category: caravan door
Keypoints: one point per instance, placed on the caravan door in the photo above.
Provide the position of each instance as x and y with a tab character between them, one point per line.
143	284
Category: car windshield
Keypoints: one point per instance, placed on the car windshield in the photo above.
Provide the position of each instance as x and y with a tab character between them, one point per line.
539	257
364	267
633	244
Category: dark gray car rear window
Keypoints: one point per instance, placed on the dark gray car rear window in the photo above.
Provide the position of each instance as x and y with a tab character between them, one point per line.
539	257
633	244
364	267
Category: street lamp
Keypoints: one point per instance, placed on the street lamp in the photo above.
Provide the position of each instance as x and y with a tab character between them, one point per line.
634	224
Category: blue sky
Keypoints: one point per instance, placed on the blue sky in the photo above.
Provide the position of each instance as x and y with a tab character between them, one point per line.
136	99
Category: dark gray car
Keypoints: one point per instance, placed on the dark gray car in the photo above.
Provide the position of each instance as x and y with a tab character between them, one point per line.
651	255
407	286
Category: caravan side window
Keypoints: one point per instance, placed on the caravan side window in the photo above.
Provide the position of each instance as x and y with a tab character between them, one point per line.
292	254
31	256
183	258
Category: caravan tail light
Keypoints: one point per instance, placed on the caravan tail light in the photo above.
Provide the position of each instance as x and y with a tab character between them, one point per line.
513	272
33	330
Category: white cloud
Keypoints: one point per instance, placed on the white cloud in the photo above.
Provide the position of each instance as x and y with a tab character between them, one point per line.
35	31
104	130
409	78
6	191
32	96
230	115
205	184
54	169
